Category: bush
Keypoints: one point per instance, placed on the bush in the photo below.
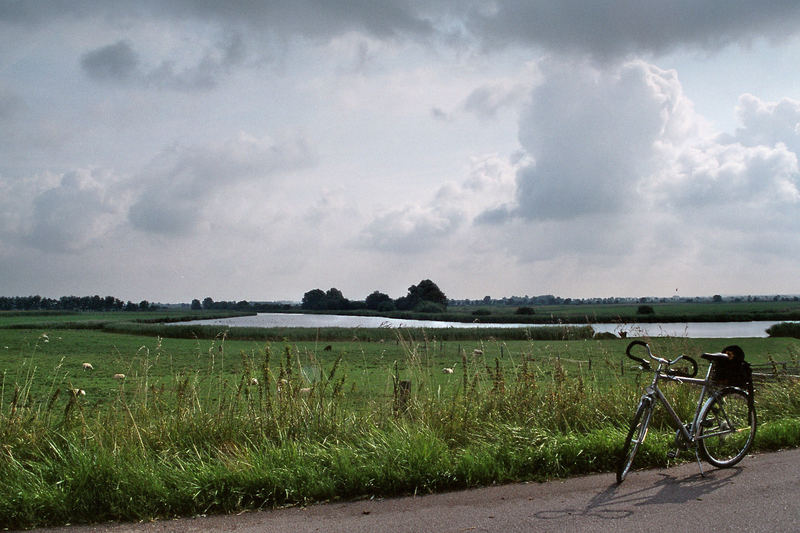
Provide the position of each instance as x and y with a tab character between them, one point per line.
481	312
525	311
428	307
645	310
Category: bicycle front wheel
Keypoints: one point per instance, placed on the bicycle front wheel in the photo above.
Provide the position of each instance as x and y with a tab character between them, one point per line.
635	438
727	428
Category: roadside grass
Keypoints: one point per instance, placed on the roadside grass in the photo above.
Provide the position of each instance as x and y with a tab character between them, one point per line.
219	426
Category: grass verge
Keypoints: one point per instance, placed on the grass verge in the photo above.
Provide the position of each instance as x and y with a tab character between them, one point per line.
211	442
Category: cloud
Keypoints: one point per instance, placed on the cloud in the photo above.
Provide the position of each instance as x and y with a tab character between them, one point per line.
611	30
486	101
768	123
73	215
115	62
592	136
120	63
432	223
179	184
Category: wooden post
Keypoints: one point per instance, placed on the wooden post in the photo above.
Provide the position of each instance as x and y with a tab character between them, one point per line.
403	394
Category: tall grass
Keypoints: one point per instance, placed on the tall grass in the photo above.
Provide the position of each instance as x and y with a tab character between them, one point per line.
286	431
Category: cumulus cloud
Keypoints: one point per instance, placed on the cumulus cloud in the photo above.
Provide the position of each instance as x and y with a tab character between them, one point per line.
178	185
621	165
592	135
74	214
768	123
430	223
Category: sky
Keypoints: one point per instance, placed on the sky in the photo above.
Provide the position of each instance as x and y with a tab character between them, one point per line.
171	150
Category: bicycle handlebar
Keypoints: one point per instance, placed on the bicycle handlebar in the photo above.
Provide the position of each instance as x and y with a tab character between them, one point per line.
646	364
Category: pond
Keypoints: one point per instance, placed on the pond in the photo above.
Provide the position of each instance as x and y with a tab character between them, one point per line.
722	330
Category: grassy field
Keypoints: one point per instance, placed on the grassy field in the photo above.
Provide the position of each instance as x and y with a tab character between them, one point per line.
219	425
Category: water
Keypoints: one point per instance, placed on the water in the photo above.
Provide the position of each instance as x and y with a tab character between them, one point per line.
718	330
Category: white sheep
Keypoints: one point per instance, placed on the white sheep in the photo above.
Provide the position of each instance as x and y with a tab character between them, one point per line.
253	381
476	351
77	392
88	366
119	376
447	370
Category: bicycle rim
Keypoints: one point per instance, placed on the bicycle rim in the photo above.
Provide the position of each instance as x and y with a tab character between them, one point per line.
727	428
636	435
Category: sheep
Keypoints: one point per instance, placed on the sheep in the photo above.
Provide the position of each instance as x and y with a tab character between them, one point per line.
77	392
253	381
476	351
88	366
119	376
447	370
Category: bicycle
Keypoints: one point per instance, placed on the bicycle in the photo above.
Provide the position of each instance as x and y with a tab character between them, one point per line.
723	426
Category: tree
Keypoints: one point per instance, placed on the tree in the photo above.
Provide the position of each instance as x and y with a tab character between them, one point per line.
426	291
208	303
336	300
645	310
144	305
716	298
376	299
196	305
314	299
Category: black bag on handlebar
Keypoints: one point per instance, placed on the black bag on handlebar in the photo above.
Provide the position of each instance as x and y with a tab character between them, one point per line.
734	372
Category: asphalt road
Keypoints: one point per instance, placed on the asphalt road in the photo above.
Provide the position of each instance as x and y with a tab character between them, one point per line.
761	494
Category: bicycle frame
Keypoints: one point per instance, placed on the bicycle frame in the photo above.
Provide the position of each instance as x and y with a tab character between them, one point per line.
653	391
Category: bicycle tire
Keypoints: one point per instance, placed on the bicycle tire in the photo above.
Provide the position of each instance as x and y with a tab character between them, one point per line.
727	427
636	435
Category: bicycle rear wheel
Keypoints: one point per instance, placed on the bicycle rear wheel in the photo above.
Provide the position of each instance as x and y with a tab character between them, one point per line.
727	428
635	438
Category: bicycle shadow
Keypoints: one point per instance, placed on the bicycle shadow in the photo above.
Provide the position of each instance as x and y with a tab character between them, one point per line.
616	501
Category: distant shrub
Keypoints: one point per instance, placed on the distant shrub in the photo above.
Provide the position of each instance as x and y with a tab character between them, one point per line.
525	311
784	329
481	312
604	335
429	307
645	310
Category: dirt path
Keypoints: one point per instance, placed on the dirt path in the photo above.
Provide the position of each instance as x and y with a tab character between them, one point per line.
761	494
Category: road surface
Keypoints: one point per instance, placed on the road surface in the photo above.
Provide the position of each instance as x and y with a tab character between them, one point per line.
761	494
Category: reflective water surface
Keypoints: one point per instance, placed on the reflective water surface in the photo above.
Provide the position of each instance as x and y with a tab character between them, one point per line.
657	329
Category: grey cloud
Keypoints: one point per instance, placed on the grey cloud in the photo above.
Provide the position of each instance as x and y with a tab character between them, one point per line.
180	183
615	29
605	30
486	101
120	63
71	216
114	62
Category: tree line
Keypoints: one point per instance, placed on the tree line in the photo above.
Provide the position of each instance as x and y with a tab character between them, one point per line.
72	303
425	297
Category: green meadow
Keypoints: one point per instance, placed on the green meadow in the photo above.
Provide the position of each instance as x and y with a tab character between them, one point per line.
220	424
